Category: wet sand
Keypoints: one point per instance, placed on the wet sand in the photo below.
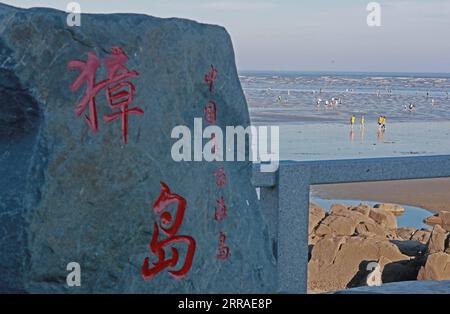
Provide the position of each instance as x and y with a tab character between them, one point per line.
332	142
431	194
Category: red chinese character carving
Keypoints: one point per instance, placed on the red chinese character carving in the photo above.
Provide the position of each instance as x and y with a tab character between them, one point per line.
210	112
119	94
157	247
214	145
224	251
221	178
210	77
220	212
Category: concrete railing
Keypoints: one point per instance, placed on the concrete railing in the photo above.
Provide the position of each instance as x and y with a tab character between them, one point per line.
284	198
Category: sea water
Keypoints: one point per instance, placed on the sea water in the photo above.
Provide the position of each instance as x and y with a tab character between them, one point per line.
311	132
292	97
316	132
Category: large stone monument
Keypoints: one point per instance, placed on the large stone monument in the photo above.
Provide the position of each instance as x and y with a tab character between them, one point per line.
79	184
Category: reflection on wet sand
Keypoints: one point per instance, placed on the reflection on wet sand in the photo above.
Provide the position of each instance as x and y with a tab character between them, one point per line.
380	135
362	134
352	135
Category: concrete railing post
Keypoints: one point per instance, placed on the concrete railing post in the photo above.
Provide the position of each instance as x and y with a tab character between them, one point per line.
293	222
269	204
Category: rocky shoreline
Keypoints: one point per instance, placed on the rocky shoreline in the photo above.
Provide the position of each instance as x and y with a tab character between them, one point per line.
354	246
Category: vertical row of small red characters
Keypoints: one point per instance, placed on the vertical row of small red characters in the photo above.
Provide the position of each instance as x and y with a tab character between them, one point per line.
210	110
220	211
119	92
169	227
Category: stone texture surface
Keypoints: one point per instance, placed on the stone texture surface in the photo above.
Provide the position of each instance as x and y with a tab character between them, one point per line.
442	219
422	236
406	233
437	240
343	221
395	209
437	267
347	243
316	214
383	218
336	261
67	194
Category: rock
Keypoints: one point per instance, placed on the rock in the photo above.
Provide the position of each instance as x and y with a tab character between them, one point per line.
445	216
410	247
423	236
442	219
437	240
406	233
316	214
68	194
362	208
337	226
347	242
437	267
392	208
338	208
326	249
433	220
336	261
383	218
369	228
404	270
345	222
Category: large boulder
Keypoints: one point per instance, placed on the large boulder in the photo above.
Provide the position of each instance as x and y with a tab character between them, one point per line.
437	240
316	214
423	236
405	233
383	218
395	209
404	270
362	208
410	247
442	219
359	245
68	194
336	261
437	267
343	221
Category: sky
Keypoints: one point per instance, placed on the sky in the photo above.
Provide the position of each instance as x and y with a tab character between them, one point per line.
309	35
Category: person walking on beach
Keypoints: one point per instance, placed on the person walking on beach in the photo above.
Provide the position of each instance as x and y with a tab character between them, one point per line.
352	120
383	123
363	121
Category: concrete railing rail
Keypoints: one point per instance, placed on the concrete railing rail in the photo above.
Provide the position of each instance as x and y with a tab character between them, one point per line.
285	196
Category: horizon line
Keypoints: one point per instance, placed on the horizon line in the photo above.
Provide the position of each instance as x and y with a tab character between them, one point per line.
343	71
